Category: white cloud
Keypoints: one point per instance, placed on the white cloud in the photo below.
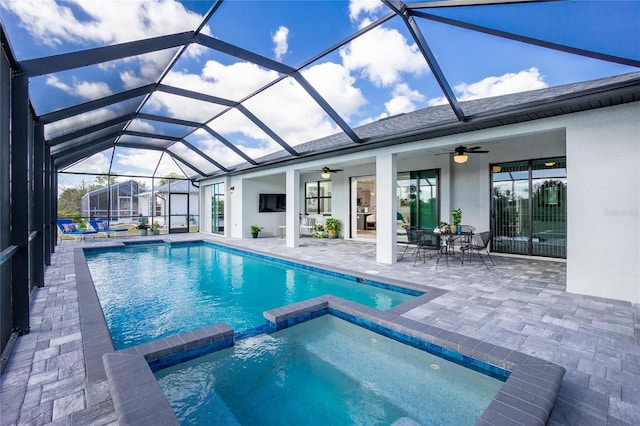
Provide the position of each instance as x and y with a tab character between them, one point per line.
138	161
130	161
358	8
505	84
79	121
234	81
141	126
226	156
97	163
382	55
216	149
88	23
101	22
81	89
335	83
280	42
181	107
294	117
143	69
404	100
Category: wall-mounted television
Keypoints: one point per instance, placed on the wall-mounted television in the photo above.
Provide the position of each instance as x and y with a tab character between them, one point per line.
272	203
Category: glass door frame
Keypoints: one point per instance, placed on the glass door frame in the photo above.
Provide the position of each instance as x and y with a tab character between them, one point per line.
502	225
361	207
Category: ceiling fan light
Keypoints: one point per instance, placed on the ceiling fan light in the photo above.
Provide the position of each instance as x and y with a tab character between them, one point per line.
326	175
460	158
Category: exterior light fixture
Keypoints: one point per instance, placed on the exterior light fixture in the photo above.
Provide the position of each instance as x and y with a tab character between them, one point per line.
496	169
232	190
550	163
460	158
325	175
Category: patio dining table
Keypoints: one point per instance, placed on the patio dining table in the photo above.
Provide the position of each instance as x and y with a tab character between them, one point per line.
448	241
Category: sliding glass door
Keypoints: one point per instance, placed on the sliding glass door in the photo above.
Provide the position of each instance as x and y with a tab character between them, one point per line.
217	208
417	200
529	209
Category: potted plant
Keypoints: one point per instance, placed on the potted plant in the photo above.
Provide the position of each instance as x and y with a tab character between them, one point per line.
155	228
443	227
142	228
255	230
457	220
332	227
318	231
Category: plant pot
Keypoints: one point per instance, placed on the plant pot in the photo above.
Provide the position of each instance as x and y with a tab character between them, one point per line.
459	229
142	232
155	232
255	234
331	233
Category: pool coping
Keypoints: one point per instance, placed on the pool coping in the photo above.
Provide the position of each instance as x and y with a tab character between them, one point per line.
526	398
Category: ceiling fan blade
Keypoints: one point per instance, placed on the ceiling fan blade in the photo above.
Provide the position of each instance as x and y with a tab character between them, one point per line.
477	152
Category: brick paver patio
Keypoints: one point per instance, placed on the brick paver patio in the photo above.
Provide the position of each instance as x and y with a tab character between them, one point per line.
520	304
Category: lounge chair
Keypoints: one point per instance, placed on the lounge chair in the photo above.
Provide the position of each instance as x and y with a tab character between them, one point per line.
67	227
102	226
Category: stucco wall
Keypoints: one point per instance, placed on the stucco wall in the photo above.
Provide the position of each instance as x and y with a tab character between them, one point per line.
603	162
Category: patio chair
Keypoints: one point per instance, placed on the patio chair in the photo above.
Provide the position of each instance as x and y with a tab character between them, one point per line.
412	239
307	224
102	226
479	242
67	227
468	229
427	242
370	221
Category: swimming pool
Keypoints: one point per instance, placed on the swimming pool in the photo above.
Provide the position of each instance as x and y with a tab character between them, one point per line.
325	371
153	291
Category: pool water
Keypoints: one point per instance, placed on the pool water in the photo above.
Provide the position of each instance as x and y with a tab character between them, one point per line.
325	371
156	291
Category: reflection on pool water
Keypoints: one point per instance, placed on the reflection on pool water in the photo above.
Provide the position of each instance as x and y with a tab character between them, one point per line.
156	291
325	371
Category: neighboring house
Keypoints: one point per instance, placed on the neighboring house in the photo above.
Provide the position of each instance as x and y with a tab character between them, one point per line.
174	205
122	197
560	181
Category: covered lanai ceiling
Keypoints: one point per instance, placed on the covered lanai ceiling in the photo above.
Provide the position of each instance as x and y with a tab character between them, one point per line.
142	87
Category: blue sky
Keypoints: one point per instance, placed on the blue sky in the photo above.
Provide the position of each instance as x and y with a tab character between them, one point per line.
379	74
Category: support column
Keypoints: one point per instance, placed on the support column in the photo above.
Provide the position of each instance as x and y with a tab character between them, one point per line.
54	207
38	216
386	237
20	201
48	191
293	208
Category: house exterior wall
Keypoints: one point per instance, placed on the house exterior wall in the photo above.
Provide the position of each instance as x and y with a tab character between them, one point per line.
251	190
603	162
603	172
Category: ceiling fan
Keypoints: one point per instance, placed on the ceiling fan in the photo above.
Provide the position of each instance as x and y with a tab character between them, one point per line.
326	172
460	153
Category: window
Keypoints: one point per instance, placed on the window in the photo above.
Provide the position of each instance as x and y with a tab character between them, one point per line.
317	197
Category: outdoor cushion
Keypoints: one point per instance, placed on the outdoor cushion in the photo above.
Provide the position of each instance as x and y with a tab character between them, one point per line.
69	227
